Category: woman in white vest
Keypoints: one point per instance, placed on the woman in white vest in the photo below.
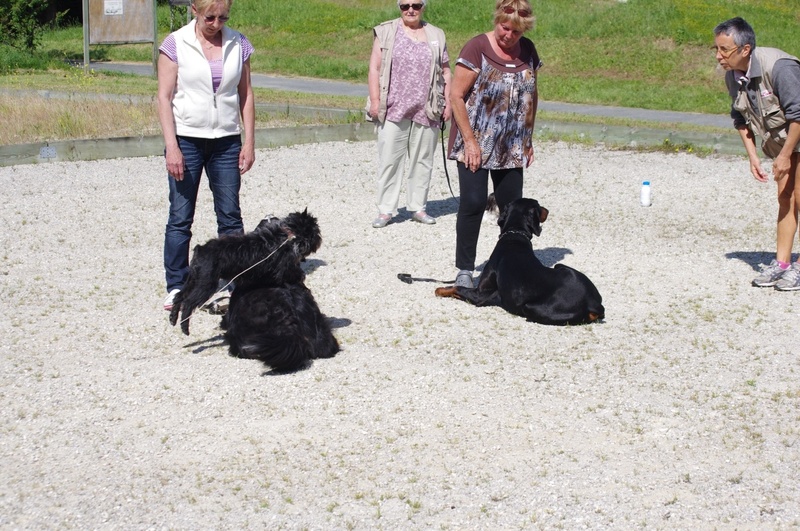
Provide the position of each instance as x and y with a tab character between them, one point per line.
205	103
409	96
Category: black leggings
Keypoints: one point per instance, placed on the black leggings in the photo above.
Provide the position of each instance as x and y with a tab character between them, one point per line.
474	188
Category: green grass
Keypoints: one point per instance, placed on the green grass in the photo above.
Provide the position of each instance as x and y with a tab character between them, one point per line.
653	54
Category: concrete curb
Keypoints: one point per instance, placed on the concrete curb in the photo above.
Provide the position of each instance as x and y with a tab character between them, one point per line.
147	146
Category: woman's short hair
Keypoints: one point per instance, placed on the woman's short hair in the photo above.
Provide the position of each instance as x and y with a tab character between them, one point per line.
513	19
201	5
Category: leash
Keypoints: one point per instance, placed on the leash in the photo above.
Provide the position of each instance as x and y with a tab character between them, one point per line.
444	158
408	279
287	240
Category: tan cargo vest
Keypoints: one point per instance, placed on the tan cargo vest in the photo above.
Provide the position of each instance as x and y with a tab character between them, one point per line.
767	121
385	34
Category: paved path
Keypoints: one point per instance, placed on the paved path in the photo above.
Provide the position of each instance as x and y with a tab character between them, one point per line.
320	86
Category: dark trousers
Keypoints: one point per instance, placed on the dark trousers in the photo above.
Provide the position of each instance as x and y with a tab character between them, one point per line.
474	188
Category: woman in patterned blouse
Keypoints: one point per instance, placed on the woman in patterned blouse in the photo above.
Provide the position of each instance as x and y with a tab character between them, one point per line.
494	99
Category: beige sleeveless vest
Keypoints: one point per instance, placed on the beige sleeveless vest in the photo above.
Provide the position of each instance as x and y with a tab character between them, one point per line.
767	121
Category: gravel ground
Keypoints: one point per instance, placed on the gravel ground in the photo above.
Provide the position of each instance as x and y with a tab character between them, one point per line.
681	410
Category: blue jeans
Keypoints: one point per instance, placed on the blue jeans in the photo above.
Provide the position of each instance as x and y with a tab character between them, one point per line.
220	158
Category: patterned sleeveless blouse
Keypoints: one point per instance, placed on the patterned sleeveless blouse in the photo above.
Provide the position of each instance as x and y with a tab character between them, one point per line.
500	104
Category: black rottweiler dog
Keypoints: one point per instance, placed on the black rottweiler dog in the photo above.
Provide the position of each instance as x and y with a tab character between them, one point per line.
282	327
267	257
516	280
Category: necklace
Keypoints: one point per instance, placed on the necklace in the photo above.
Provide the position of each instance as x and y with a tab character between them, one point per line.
413	33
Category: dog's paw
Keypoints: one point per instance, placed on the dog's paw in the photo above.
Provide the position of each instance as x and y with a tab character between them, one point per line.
448	291
173	314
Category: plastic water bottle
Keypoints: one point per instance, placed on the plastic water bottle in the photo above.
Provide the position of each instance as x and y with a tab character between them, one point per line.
645	195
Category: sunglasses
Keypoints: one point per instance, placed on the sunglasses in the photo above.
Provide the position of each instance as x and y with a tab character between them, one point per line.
415	7
222	18
524	13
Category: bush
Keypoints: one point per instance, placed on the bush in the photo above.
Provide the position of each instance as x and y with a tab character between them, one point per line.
22	24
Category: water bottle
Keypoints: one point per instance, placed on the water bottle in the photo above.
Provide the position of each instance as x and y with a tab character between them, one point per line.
645	197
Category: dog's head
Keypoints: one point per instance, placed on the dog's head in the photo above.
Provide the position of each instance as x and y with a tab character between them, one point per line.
305	229
523	214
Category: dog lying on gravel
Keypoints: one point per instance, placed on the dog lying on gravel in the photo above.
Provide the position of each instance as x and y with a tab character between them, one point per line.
516	280
269	256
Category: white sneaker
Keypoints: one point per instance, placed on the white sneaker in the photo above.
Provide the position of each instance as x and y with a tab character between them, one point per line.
168	302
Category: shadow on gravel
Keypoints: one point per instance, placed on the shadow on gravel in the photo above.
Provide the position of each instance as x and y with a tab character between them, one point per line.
339	322
310	265
751	258
212	342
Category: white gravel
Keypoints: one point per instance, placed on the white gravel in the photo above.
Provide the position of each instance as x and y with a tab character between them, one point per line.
681	410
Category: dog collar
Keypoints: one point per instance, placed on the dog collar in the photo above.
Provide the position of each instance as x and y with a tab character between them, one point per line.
286	230
521	233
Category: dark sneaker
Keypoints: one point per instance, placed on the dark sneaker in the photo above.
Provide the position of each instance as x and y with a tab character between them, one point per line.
790	281
769	275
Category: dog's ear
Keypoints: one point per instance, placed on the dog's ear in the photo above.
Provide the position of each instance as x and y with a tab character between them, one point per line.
535	216
543	212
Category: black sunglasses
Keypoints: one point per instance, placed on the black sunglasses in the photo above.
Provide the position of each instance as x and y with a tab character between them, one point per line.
416	7
223	19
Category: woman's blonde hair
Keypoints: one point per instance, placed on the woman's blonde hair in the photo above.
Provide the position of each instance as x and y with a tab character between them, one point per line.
514	19
201	5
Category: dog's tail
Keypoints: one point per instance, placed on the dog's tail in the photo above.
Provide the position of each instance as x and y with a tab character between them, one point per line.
283	353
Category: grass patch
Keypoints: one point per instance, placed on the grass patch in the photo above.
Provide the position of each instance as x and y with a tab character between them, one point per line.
645	53
642	53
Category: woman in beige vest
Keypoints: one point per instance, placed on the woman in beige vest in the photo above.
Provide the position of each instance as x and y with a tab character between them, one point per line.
409	86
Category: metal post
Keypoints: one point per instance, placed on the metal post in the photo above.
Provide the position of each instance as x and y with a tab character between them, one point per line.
86	35
155	38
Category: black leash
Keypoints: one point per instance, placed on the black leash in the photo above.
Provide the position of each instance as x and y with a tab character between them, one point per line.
444	158
408	279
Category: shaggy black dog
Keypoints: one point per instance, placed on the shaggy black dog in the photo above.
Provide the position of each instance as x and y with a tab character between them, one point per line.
269	256
280	326
516	280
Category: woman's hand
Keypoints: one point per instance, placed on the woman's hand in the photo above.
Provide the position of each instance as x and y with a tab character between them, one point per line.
529	156
247	157
448	112
472	155
174	158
